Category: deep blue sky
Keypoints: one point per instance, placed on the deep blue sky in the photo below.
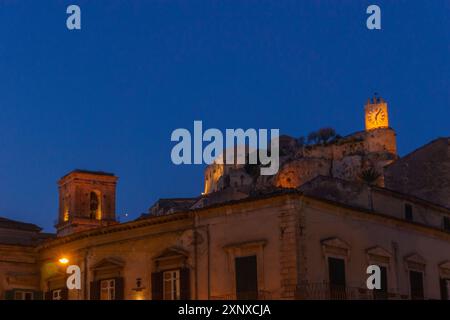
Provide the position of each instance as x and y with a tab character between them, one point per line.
108	97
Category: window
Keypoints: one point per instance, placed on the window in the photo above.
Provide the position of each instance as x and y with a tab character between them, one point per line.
336	273
246	278
66	202
408	212
95	205
416	283
447	224
445	289
171	286
108	289
382	293
56	295
23	295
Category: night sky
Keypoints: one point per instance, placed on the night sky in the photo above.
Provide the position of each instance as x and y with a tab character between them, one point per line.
108	96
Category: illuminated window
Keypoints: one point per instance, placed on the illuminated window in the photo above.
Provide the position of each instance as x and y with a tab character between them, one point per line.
23	295
108	289
65	202
171	288
56	295
95	205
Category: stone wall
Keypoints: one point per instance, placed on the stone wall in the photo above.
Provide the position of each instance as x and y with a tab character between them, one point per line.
424	173
361	239
343	158
18	269
291	236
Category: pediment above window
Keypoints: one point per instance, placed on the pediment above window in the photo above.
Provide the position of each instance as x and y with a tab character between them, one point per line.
109	263
171	258
444	269
335	242
171	253
22	278
379	251
246	245
415	262
378	254
445	265
335	246
416	258
108	268
56	281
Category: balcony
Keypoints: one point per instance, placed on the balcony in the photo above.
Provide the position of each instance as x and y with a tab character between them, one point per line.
325	291
318	291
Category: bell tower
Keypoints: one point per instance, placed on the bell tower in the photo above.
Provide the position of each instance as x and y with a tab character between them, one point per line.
86	200
376	113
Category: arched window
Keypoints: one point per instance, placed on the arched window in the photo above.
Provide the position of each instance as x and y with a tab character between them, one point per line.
95	205
66	216
66	213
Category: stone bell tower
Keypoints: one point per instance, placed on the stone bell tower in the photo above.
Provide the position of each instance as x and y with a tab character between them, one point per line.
380	140
86	200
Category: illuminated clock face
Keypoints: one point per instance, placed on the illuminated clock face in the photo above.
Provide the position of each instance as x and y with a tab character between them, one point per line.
376	116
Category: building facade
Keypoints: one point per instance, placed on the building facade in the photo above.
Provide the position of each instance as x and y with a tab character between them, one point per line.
310	232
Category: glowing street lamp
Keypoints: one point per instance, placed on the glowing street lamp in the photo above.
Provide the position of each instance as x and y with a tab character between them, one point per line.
63	260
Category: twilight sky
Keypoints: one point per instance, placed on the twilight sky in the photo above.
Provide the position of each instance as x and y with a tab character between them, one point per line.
107	97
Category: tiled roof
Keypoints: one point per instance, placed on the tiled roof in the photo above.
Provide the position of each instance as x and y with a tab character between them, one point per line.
90	172
12	224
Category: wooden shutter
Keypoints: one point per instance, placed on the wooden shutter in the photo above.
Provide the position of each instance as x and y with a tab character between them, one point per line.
336	271
246	278
408	212
447	224
38	295
64	294
416	283
336	274
157	286
9	295
382	293
444	293
95	290
48	295
185	284
119	288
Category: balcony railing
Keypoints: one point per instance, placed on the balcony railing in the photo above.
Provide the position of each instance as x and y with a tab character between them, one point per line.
253	295
319	291
326	291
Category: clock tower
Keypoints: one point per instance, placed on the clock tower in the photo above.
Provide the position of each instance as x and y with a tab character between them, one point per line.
376	112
